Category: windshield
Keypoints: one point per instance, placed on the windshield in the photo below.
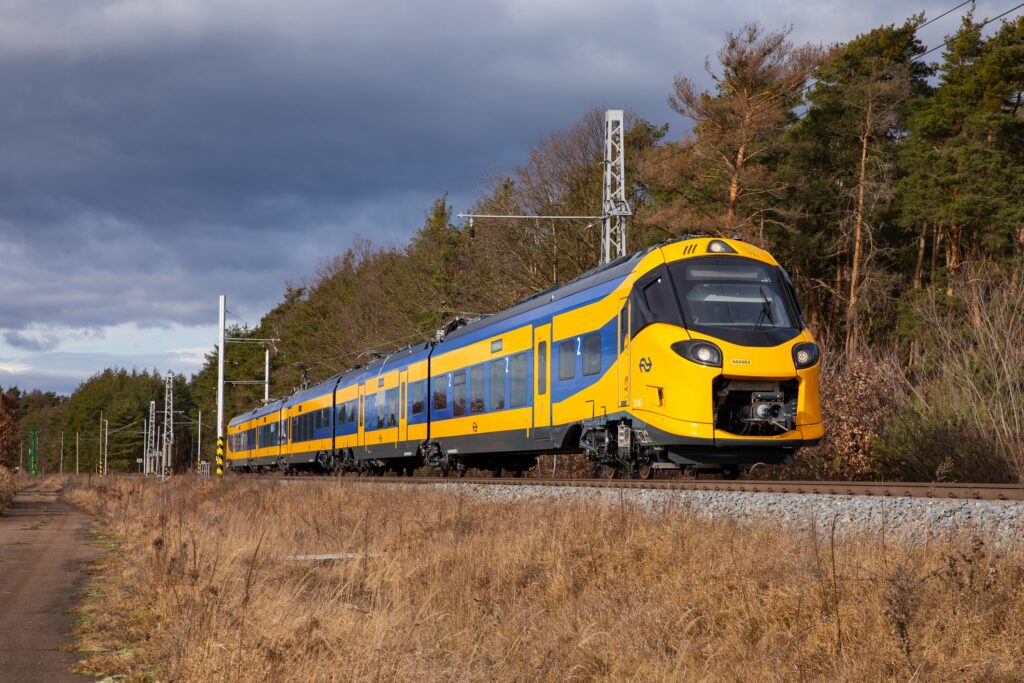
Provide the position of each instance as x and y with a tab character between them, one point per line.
731	292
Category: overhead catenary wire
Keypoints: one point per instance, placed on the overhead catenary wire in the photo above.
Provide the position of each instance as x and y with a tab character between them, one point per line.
947	12
981	26
808	85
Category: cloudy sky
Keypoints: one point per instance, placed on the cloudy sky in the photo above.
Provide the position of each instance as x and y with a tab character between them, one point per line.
157	153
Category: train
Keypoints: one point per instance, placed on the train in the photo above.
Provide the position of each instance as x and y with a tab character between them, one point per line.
690	355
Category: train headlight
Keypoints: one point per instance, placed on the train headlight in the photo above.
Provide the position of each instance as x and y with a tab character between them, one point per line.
720	247
805	355
700	352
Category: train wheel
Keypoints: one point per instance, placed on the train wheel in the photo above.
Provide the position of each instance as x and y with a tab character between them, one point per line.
517	474
496	473
731	472
607	472
646	471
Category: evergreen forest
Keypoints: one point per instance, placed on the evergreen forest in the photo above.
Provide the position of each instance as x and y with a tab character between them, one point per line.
887	178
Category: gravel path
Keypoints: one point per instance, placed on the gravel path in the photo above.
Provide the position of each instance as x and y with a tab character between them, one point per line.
44	544
911	518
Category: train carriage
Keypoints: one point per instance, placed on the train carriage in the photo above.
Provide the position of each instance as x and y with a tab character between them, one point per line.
689	354
254	440
309	414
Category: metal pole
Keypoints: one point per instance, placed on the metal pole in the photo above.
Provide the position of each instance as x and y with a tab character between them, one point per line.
266	375
199	441
106	444
99	458
145	447
151	440
168	455
220	388
62	451
616	207
76	452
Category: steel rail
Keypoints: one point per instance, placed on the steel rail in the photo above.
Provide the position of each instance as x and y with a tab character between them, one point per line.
1007	492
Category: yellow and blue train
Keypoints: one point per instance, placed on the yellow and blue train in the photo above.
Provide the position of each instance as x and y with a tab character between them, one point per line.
690	354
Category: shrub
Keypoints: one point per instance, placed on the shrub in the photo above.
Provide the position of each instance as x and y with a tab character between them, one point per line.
857	397
8	486
964	420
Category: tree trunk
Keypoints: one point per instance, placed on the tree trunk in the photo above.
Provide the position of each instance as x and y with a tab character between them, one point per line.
936	247
953	250
953	256
734	186
919	267
858	236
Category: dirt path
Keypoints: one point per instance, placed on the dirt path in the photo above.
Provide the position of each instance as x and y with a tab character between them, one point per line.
43	546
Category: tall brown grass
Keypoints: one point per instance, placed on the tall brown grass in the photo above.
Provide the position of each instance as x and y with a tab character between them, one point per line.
437	585
8	487
964	418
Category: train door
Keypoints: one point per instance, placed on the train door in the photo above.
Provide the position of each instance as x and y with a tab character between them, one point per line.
623	361
403	409
542	382
361	433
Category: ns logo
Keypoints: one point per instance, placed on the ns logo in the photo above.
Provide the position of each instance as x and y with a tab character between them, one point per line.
646	365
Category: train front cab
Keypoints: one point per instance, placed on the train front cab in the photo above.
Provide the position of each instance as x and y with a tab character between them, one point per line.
722	369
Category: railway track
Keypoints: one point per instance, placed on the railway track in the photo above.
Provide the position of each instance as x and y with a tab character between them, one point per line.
823	488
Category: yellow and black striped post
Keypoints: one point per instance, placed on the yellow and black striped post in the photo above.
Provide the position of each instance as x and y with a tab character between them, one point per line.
220	455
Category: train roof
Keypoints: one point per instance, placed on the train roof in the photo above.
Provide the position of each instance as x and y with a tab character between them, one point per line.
403	356
613	271
321	388
260	411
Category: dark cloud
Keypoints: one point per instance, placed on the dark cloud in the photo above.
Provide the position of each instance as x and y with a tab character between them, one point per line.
28	342
156	154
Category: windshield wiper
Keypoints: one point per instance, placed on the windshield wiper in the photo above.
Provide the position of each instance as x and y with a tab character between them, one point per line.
766	310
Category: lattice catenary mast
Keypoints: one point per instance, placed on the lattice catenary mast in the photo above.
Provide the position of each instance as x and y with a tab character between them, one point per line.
615	207
168	423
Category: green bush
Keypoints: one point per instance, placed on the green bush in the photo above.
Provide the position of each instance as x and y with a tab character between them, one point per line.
964	418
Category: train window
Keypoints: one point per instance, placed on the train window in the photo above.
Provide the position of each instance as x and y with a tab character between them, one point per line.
417	398
327	417
517	393
623	328
495	346
382	410
542	368
352	411
318	420
496	391
730	292
476	389
440	393
370	411
567	359
592	354
459	393
362	411
392	406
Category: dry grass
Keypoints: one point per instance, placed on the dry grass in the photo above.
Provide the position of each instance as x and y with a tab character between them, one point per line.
442	586
8	487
